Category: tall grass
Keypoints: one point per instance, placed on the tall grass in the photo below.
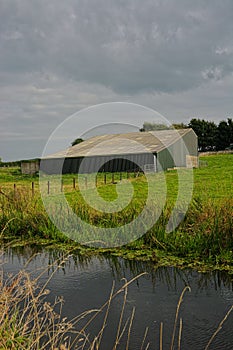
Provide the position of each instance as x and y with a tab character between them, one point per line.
23	216
205	233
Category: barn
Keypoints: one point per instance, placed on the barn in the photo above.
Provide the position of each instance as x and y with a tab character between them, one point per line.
145	151
30	166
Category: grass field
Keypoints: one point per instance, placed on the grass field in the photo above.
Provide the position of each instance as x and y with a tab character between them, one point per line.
205	236
213	179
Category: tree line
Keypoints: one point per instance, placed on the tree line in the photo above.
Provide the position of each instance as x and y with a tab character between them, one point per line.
211	136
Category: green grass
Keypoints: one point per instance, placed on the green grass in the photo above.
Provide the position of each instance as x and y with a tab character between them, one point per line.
13	175
204	240
216	179
204	236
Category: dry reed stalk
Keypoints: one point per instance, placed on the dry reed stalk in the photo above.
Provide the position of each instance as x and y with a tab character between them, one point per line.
130	327
177	313
180	332
121	318
219	327
28	321
144	338
161	337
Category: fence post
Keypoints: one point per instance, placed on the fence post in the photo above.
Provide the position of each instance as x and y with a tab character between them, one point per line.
96	180
14	189
105	178
33	188
48	189
120	176
74	185
112	178
127	174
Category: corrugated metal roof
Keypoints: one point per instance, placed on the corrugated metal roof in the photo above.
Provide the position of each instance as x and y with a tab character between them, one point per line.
130	143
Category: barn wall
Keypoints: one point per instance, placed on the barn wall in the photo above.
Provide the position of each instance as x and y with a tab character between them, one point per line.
51	165
183	153
30	168
113	163
165	159
93	164
180	151
191	142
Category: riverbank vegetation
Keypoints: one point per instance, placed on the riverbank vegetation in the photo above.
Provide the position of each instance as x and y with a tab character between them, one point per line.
204	239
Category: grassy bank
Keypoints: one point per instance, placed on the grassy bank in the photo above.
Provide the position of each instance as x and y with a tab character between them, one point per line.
203	239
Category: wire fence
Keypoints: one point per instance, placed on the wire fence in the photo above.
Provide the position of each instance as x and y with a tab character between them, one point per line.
68	183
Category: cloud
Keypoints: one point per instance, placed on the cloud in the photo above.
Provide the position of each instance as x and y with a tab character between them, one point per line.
60	56
130	47
215	73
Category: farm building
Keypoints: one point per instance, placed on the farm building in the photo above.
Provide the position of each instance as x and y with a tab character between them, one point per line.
30	167
146	151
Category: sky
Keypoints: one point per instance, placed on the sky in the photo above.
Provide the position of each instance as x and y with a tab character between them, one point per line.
59	57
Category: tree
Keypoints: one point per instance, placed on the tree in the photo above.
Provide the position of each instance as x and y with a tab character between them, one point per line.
77	141
147	126
180	126
224	135
230	127
206	132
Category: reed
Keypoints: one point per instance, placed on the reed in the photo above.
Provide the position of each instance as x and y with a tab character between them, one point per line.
206	232
28	321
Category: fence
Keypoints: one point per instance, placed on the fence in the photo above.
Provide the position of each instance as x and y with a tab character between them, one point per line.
68	183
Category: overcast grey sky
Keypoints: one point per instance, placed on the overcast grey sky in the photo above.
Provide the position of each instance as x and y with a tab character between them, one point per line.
57	57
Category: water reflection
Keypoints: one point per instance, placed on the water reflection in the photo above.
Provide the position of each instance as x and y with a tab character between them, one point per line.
119	267
85	283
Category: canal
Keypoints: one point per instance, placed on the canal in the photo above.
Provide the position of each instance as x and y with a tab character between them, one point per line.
85	283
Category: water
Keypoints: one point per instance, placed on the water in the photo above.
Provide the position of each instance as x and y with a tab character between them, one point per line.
85	283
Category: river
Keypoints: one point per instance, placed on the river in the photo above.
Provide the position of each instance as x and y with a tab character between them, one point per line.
85	283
